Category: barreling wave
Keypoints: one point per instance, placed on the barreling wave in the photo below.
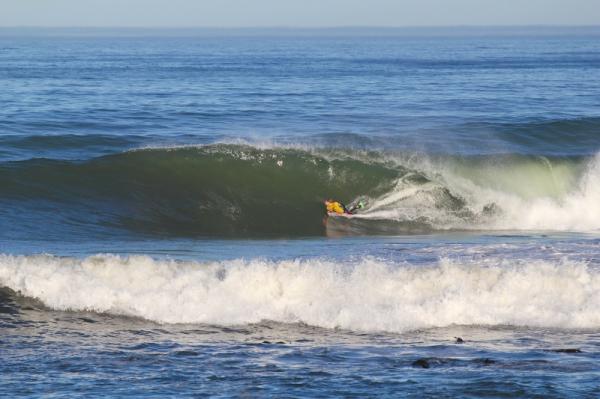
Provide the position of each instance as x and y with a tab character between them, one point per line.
210	190
241	190
367	295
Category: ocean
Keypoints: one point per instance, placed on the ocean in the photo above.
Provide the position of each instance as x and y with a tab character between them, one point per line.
163	234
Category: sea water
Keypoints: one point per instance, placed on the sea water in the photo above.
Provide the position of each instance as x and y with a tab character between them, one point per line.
162	231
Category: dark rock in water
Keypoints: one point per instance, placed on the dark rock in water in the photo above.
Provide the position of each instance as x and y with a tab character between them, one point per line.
485	361
459	340
429	362
423	363
566	350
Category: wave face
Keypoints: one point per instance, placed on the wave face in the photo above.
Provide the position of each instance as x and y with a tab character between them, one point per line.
221	189
367	295
241	190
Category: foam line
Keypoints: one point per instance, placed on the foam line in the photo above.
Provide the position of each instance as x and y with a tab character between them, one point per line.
368	295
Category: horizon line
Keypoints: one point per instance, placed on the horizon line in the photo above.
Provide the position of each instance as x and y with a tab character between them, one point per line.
416	31
299	26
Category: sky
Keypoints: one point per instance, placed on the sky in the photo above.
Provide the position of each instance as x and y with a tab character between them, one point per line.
296	13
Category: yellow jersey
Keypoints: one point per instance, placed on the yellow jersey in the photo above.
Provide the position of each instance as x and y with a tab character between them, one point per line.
334	206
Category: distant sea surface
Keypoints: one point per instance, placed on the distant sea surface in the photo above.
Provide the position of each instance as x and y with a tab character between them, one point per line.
162	231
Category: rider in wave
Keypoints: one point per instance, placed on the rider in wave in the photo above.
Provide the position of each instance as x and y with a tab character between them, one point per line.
339	208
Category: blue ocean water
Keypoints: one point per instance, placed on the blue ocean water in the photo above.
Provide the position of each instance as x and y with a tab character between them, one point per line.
162	231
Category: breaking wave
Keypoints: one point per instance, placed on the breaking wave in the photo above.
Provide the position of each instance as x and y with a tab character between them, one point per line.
243	190
367	295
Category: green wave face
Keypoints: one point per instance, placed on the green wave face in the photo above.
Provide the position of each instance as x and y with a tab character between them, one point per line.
228	190
215	190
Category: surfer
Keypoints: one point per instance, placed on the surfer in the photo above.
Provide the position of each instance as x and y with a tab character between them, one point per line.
333	206
337	207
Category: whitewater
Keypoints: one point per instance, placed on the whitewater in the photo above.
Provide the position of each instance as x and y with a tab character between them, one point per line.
365	295
532	195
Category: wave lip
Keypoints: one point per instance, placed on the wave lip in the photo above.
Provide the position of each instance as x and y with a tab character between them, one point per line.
368	295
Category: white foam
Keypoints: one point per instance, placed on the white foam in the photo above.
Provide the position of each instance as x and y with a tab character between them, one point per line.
576	210
368	295
531	195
